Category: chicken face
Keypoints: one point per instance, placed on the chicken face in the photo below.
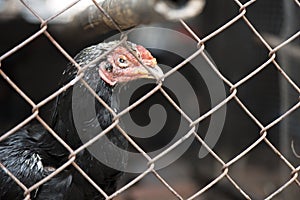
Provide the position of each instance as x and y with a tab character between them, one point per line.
121	66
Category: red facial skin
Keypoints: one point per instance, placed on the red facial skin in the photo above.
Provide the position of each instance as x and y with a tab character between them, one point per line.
124	67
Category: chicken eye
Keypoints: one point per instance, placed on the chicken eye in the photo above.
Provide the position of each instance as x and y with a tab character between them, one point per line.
122	62
108	67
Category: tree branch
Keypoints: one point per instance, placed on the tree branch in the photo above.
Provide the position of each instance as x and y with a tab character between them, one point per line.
101	16
130	13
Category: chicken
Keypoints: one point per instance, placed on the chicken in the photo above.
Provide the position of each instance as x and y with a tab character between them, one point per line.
32	153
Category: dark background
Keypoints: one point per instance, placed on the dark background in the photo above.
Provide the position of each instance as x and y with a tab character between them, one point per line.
37	69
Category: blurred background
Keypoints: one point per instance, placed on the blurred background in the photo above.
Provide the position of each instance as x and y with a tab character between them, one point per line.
236	51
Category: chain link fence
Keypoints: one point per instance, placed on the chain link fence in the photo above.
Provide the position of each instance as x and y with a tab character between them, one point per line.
273	46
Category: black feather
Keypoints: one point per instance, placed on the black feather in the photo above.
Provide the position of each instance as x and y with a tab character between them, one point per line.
32	153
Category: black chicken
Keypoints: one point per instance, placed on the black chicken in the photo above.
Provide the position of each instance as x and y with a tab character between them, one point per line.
32	153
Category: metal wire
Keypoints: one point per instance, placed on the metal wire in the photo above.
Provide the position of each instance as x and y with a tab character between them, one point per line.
234	87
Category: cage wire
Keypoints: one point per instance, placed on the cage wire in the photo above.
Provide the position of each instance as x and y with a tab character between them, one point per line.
280	57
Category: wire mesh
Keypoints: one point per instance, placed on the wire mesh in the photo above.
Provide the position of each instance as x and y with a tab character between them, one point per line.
225	170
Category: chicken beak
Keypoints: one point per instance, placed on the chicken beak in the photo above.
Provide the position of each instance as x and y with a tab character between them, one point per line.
152	70
149	72
155	72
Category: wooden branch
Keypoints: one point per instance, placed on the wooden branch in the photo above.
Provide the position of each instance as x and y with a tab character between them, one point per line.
130	13
97	17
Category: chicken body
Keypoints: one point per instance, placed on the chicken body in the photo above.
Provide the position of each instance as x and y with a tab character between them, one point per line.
32	153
